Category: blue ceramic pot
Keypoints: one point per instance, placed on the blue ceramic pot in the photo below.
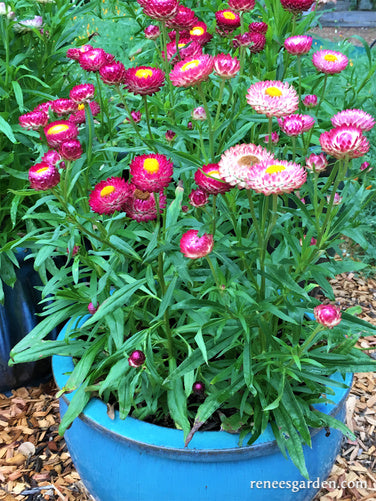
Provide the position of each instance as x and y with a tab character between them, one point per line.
130	460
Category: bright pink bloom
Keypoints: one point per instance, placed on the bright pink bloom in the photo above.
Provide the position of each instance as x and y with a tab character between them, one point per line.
144	80
193	246
43	176
112	73
187	49
142	206
355	118
276	177
209	179
71	149
152	32
137	357
298	45
199	114
82	93
75	52
243	40
92	60
33	120
161	9
79	116
60	131
275	138
109	196
92	309
310	101
63	106
226	66
198	388
296	124
329	61
190	125
241	5
183	20
296	6
192	71
45	107
51	157
136	115
198	198
258	42
258	27
151	172
364	166
199	33
227	20
344	141
327	315
273	98
317	162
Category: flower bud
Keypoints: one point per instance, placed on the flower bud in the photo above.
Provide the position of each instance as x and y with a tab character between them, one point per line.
137	358
310	101
92	309
152	32
193	246
198	388
198	198
327	315
199	114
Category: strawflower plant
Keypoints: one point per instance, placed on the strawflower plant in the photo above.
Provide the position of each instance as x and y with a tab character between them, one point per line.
193	257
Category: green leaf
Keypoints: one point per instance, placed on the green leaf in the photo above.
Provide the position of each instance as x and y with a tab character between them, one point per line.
75	407
280	387
177	405
293	409
124	246
6	129
18	94
167	298
201	344
126	394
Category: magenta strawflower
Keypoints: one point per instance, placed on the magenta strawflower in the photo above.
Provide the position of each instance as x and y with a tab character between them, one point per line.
190	125
344	141
329	61
296	6
92	60
310	101
151	172
364	166
71	149
276	177
226	66
241	5
161	9
82	93
298	45
327	315
63	106
33	120
198	388
199	33
227	20
193	246
142	205
136	115
356	118
60	131
187	49
258	27
296	124
236	162
75	52
109	196
209	179
144	80
192	71
43	176
316	162
244	40
258	42
137	358
275	138
45	107
199	114
79	116
51	157
198	197
152	32
273	98
92	309
184	19
112	73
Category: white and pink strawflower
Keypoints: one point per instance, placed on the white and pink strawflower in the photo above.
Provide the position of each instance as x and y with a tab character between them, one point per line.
354	117
136	115
236	162
43	176
198	197
92	60
298	45
195	247
144	80
71	149
187	49
170	135
82	93
344	141
328	315
317	163
60	131
142	205
242	5
33	120
273	98
63	106
151	172
297	6
109	196
209	179
337	199
227	20
258	27
28	24
226	66
296	124
79	116
152	32
329	61
310	101
275	138
275	177
137	357
199	114
45	107
192	71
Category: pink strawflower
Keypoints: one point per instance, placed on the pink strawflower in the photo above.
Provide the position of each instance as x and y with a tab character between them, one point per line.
92	60
258	42
192	71
258	27
327	315
275	138
45	107
75	250
112	73
60	131
199	114
161	9
109	58
310	101
109	196
82	93
170	135
151	172
241	5
236	162
209	179
43	176
75	52
187	49
198	388
356	118
71	149
152	32
137	357
33	120
190	125
276	177
337	199
329	61
227	20
184	19
313	240
136	115
244	40
296	124
63	106
199	33
193	246
142	206
198	198
296	6
364	166
79	116
273	98
317	163
344	141
144	80
51	157
226	66
92	309
298	45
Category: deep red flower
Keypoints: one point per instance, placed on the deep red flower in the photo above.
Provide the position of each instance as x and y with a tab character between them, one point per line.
112	73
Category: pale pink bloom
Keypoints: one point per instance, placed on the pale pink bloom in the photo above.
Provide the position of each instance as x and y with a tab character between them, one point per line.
298	45
226	66
28	24
344	141
276	177
329	61
310	101
327	315
199	114
273	98
336	200
192	71
293	125
356	118
152	32
317	162
193	246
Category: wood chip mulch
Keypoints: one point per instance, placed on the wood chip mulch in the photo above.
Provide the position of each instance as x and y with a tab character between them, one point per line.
35	464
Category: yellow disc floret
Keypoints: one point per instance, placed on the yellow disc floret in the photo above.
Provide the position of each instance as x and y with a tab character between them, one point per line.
56	129
330	57
151	165
107	190
229	15
197	31
190	65
273	169
43	169
273	92
214	173
144	73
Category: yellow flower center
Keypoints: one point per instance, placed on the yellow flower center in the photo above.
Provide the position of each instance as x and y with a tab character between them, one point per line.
197	31
191	64
56	129
229	15
42	169
151	165
273	92
273	169
330	57
144	73
107	190
214	173
81	107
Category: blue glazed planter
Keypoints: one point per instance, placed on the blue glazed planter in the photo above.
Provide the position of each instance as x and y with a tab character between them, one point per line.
130	460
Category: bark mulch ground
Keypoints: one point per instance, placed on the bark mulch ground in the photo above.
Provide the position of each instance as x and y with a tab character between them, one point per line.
35	464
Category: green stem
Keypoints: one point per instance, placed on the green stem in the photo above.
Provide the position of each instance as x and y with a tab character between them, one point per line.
213	272
220	99
270	130
299	63
214	222
293	140
145	99
203	150
208	117
322	94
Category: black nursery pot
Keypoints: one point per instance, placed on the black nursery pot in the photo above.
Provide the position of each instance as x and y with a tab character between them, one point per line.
18	316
